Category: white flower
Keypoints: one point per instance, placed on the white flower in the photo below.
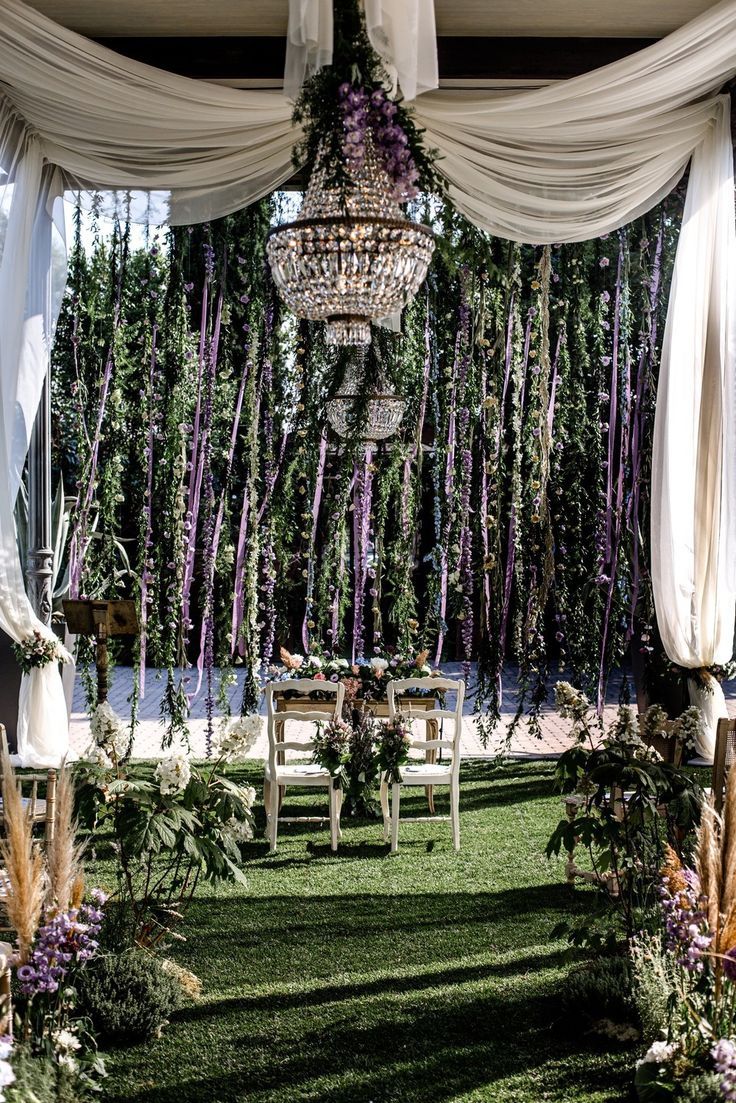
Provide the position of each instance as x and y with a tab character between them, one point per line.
110	731
571	703
296	661
100	757
425	669
237	737
659	1053
342	663
173	774
7	1076
66	1040
315	661
6	1048
239	831
377	663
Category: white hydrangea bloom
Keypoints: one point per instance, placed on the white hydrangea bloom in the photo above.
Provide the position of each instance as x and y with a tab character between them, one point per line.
378	663
7	1076
571	703
173	774
659	1053
239	831
109	731
236	737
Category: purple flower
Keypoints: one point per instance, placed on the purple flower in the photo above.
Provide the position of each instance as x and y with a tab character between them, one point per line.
686	925
724	1059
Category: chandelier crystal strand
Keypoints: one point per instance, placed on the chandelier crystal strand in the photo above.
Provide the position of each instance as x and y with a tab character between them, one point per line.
350	259
383	413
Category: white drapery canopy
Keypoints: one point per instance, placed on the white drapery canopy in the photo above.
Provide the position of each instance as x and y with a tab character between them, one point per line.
564	162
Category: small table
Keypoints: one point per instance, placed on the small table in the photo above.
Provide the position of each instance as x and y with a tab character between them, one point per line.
410	706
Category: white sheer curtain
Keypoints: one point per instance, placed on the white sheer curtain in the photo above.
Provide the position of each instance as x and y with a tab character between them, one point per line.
694	458
27	191
564	162
401	31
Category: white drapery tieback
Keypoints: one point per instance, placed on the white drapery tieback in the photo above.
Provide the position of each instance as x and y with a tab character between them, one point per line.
402	32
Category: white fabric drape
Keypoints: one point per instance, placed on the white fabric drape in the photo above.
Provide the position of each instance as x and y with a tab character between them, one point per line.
565	162
402	32
27	191
308	42
693	461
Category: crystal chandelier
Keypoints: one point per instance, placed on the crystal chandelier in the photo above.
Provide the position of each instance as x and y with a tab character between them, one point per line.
384	409
349	259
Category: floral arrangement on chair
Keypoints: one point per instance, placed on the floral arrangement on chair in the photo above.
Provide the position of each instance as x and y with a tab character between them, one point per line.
367	678
38	650
331	750
393	746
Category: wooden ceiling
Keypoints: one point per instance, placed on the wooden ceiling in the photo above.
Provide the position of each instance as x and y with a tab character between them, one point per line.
534	18
479	41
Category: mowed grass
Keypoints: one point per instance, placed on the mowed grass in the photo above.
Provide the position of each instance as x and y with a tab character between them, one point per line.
365	978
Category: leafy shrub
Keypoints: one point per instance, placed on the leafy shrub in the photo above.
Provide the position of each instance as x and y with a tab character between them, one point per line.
705	1088
601	989
128	996
41	1080
654	981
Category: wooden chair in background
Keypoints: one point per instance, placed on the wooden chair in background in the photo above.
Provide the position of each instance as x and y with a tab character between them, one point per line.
723	758
278	773
40	809
426	774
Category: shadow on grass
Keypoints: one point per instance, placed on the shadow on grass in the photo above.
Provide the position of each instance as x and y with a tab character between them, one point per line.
506	919
431	1050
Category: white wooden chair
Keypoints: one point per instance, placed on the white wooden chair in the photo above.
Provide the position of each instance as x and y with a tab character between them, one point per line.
40	810
426	774
279	773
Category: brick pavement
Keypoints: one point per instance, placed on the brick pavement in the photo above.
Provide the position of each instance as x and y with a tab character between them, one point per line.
554	739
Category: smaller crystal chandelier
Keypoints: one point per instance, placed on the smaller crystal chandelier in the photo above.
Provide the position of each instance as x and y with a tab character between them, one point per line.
349	261
384	409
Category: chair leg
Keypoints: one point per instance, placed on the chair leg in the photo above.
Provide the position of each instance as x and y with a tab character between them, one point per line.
334	828
384	809
395	805
339	799
455	814
273	819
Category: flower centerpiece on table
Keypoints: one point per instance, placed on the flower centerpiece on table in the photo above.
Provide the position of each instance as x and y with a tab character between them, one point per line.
364	679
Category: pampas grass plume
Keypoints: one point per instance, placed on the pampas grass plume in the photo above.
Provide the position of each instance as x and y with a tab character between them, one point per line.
24	866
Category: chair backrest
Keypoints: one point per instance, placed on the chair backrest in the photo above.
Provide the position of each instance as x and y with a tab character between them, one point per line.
28	787
399	702
321	711
723	758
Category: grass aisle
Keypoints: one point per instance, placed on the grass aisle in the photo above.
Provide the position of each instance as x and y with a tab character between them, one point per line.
428	976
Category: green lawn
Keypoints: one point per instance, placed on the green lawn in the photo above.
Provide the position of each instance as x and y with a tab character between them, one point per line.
427	976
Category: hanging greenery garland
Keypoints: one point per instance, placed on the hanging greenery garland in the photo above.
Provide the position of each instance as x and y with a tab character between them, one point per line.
505	522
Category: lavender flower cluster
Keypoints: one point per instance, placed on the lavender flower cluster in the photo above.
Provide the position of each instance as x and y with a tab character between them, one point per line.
66	939
375	112
724	1059
686	927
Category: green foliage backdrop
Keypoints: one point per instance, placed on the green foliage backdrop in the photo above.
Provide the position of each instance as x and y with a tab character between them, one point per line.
506	521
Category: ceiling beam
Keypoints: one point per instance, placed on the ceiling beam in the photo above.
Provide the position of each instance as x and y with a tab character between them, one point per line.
460	59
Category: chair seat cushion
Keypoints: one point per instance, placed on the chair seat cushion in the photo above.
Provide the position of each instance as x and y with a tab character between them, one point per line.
299	773
425	773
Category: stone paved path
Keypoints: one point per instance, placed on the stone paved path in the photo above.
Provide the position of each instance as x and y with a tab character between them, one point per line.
555	731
